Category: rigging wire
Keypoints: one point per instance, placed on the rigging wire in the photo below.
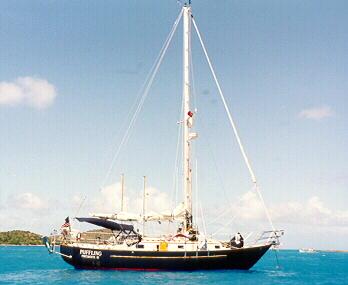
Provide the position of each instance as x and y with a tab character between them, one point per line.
230	222
220	215
246	159
195	100
196	186
193	95
215	164
80	205
203	220
226	197
176	165
143	97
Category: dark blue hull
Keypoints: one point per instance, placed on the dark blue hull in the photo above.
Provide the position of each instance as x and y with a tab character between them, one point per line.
83	258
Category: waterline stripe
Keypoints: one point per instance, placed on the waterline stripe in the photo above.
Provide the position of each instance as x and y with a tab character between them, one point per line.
164	257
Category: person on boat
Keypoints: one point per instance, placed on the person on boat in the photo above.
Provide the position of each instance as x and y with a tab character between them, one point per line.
65	229
237	241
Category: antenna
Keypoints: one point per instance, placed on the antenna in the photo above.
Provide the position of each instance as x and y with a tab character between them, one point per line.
144	203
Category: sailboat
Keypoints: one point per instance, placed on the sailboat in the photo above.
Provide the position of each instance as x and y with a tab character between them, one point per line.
120	246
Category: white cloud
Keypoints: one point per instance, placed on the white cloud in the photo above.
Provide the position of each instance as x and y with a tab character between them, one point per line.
109	200
303	221
249	207
310	212
246	210
27	200
29	211
31	91
316	113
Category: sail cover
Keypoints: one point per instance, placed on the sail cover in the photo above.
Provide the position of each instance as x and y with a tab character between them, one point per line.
121	216
178	214
107	224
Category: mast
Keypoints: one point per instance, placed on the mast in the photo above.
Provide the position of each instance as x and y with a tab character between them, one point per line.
187	120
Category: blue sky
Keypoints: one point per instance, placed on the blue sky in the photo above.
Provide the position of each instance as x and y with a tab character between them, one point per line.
76	68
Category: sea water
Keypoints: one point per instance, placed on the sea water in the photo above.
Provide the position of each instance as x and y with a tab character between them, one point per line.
33	265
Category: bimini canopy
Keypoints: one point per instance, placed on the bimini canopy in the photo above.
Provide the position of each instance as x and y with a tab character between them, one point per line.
107	224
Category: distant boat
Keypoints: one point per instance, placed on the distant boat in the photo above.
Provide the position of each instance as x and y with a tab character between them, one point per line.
307	250
124	247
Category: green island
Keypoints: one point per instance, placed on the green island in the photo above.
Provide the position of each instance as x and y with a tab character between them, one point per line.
18	237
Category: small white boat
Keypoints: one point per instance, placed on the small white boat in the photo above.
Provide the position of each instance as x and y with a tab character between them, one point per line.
307	250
